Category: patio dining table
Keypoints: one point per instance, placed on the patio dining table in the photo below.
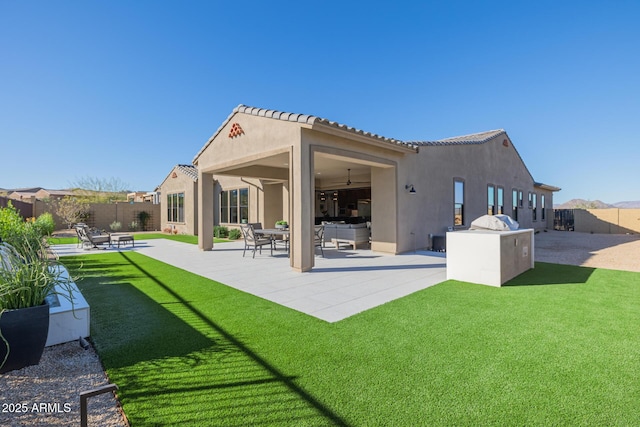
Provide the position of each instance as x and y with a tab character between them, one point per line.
273	233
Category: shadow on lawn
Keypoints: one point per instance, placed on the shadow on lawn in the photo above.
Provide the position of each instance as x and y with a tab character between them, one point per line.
552	274
217	378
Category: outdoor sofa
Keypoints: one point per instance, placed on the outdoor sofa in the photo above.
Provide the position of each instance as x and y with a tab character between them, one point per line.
353	234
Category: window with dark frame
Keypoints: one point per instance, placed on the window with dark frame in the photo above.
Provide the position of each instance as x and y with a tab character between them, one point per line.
514	204
491	200
234	206
175	207
458	202
542	207
535	207
500	200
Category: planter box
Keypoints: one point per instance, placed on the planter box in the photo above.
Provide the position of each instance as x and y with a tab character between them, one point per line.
67	322
489	257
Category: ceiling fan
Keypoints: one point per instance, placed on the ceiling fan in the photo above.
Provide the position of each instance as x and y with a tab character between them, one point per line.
349	182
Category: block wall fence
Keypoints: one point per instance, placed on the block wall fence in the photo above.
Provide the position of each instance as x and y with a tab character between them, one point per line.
101	215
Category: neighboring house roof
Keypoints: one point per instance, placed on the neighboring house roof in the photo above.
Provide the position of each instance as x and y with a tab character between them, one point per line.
60	193
474	138
26	190
304	119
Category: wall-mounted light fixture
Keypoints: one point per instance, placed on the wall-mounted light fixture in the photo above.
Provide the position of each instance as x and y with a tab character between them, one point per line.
335	196
323	196
409	187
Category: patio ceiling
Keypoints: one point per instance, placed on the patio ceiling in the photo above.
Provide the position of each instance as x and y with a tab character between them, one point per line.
330	170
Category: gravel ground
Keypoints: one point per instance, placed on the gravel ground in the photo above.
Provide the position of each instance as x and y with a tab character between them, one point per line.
613	251
66	370
48	394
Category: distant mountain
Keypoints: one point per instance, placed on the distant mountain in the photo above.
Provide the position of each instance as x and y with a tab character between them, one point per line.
596	204
628	205
583	204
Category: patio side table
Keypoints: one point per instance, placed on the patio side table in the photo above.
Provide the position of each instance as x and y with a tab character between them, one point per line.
122	238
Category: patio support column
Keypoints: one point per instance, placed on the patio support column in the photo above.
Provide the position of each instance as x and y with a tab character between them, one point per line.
205	208
301	201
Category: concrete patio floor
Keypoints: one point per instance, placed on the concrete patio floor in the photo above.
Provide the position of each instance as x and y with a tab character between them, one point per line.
343	283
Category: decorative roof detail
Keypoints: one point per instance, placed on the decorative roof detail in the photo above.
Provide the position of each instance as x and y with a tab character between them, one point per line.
189	170
236	130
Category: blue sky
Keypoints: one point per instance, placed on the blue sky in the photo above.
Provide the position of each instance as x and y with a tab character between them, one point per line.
129	89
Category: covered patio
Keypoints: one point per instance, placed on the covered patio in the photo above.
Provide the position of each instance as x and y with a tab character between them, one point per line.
342	284
287	160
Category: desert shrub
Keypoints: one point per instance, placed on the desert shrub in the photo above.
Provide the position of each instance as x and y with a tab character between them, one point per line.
235	234
23	235
45	224
144	218
220	231
115	226
133	226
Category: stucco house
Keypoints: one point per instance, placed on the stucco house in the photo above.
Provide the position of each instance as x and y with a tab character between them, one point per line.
179	200
265	165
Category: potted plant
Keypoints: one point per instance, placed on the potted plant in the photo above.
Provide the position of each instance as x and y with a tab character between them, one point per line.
282	224
28	274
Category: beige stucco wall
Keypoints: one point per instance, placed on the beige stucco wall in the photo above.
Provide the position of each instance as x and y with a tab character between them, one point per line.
608	221
432	173
280	156
261	137
178	182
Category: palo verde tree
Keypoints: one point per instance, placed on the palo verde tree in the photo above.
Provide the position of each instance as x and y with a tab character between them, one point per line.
70	210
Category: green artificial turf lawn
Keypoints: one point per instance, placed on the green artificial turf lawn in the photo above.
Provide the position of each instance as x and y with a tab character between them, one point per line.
61	240
560	346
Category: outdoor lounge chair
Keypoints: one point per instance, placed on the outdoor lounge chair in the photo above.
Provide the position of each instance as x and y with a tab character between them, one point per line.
251	240
92	238
318	238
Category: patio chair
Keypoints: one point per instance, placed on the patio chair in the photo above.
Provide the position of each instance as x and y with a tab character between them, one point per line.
257	226
318	238
92	238
252	241
77	227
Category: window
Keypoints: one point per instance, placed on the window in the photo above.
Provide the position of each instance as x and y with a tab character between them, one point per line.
535	206
520	199
514	204
491	200
224	206
458	202
244	204
542	207
500	200
175	207
234	206
530	200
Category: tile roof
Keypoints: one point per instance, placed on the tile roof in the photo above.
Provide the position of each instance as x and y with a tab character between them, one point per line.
311	120
304	119
474	138
189	170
